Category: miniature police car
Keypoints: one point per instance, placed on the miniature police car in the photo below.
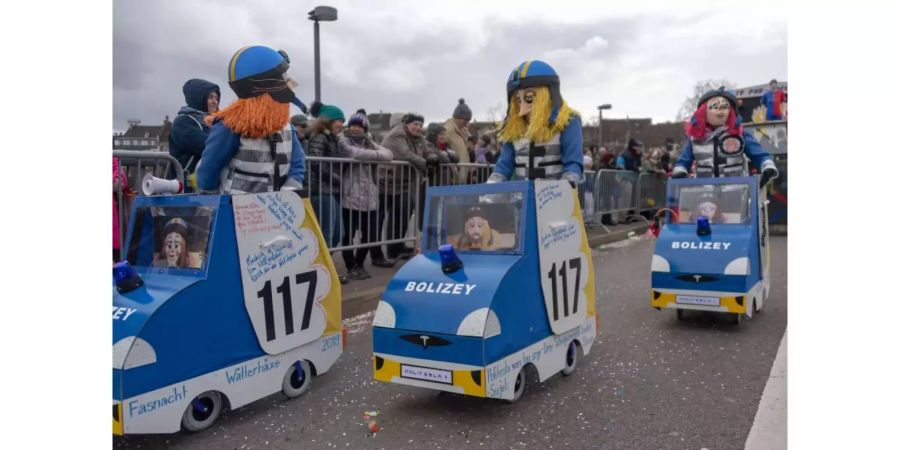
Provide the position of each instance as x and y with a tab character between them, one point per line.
499	289
223	300
713	254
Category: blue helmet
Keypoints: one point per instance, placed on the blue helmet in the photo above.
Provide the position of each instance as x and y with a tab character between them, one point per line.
258	70
535	73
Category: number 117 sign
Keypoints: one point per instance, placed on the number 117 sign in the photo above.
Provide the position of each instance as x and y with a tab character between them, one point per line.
283	287
565	267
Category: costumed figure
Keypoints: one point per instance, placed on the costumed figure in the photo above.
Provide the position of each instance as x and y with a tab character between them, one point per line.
706	206
252	146
541	134
717	141
477	232
174	246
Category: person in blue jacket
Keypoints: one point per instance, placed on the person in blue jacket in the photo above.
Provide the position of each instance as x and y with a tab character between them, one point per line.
541	134
716	140
630	159
188	136
251	146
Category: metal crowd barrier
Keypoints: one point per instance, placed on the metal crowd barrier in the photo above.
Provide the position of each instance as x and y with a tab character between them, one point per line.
622	195
346	216
586	194
136	163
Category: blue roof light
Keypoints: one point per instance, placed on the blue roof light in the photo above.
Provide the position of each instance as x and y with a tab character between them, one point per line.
126	278
450	262
703	228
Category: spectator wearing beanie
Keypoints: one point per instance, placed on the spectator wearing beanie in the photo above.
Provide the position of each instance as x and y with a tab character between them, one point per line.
325	177
301	124
457	128
398	183
359	197
439	174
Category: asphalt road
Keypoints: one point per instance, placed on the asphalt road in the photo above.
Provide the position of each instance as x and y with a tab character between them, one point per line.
650	382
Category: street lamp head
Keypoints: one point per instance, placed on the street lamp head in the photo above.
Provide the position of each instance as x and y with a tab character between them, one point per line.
605	106
323	14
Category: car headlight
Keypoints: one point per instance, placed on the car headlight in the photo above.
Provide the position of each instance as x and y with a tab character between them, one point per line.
659	264
740	266
481	323
384	316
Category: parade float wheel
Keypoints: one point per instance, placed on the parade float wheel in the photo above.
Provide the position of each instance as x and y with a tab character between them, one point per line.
519	386
755	307
203	410
679	314
738	318
297	379
571	359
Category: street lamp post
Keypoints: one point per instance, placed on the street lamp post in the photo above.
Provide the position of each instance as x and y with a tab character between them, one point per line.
324	14
600	124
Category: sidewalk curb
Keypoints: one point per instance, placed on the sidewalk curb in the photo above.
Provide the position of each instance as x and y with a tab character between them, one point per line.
359	302
769	430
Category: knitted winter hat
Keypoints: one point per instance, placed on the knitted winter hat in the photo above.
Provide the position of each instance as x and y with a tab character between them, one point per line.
413	117
298	119
359	118
462	111
327	112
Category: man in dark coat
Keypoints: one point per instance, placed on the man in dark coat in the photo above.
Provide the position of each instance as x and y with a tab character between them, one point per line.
189	132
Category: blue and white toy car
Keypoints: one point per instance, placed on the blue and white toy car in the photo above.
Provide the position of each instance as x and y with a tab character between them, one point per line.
504	284
223	300
713	254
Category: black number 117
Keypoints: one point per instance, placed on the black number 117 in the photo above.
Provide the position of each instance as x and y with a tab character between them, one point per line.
285	290
574	263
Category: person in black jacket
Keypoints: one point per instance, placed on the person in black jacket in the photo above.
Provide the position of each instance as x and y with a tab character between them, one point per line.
188	136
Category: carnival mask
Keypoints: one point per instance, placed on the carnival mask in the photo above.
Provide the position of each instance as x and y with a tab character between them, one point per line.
708	209
717	109
476	228
525	97
174	246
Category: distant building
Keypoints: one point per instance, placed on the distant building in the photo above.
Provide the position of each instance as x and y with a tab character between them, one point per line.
617	132
144	137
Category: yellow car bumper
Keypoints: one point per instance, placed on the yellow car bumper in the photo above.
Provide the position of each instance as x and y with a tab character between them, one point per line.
733	304
469	382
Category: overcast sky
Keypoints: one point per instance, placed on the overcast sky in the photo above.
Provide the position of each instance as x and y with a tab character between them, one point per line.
394	55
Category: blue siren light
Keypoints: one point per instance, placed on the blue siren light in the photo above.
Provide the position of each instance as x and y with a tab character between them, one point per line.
450	262
126	278
703	228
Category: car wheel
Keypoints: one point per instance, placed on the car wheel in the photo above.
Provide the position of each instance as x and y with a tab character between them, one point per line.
756	308
203	410
679	314
297	379
571	359
519	386
738	318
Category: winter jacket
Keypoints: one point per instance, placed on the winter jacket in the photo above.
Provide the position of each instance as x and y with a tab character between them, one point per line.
118	174
514	156
223	144
324	177
457	139
396	179
628	161
359	191
481	154
773	101
710	163
188	136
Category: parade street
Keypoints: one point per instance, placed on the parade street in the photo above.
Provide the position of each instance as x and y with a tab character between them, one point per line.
649	382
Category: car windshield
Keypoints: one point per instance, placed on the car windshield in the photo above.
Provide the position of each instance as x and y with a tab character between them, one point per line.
166	238
721	203
470	223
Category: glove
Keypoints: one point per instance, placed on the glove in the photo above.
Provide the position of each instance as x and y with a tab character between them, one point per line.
572	178
454	158
432	160
767	175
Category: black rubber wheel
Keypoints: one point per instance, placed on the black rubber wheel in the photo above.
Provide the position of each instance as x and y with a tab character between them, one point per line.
572	355
297	379
203	410
519	386
679	314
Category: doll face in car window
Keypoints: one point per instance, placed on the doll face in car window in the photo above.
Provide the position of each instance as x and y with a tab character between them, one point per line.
476	228
717	109
707	209
174	247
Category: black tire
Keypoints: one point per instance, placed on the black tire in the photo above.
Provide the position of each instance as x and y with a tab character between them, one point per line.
738	318
202	412
572	356
679	314
519	386
297	379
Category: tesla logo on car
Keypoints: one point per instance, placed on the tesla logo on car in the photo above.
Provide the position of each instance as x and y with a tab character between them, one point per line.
425	340
697	278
